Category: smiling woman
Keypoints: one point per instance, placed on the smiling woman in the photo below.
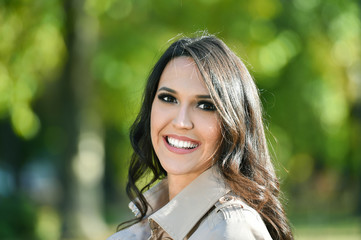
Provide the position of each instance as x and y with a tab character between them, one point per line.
185	128
200	132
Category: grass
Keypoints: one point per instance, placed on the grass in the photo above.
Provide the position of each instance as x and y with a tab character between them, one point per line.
340	229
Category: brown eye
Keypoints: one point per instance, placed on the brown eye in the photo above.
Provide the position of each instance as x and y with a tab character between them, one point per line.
167	98
207	106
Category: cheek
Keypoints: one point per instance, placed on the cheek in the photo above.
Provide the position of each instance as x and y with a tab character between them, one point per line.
215	135
211	130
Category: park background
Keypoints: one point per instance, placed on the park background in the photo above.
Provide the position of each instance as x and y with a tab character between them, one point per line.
72	74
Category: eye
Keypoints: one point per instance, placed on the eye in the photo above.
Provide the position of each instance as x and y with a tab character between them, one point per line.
207	106
167	98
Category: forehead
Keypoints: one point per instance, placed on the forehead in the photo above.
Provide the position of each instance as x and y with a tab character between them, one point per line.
181	73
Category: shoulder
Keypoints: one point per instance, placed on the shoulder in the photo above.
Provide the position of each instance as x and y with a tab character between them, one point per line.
232	219
138	231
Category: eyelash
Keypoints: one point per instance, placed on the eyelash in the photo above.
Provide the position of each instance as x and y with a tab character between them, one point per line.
209	106
167	98
204	105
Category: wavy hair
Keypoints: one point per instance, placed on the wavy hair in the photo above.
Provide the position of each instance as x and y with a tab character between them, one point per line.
243	157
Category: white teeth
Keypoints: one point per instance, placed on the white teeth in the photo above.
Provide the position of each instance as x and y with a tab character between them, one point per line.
181	144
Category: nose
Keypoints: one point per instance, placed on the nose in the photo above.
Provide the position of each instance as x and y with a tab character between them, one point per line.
182	119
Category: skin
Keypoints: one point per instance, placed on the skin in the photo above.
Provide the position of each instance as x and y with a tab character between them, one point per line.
182	109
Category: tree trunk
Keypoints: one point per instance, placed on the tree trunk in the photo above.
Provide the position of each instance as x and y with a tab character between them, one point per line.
84	161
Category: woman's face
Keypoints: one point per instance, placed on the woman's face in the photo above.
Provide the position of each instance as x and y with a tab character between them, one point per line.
185	127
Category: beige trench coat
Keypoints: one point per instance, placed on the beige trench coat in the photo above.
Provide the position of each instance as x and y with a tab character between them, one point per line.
205	210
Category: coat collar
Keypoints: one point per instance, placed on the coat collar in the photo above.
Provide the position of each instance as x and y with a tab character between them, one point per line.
156	197
181	214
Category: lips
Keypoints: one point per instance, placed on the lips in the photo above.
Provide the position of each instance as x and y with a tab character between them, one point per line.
181	145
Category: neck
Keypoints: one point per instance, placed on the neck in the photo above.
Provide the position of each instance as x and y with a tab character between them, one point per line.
176	183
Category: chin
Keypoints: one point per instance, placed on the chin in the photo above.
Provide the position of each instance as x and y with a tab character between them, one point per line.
176	168
181	168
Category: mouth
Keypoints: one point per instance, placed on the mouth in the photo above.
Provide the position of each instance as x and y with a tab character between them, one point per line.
181	144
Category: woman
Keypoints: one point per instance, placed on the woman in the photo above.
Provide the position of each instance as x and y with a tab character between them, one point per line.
200	132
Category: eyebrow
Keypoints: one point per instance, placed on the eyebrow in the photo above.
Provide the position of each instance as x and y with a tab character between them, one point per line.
175	92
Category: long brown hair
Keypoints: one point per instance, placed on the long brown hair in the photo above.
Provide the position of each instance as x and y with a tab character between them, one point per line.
243	157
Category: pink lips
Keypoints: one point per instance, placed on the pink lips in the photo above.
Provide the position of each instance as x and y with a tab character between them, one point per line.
180	150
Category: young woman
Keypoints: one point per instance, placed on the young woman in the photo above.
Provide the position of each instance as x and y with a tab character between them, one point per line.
200	132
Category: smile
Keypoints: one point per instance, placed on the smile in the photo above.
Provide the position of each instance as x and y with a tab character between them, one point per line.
181	144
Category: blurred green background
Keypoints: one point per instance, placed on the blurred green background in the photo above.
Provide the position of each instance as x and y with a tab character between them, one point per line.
71	78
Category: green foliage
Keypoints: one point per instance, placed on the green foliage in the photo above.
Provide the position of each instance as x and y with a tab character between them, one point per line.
304	55
18	218
31	52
